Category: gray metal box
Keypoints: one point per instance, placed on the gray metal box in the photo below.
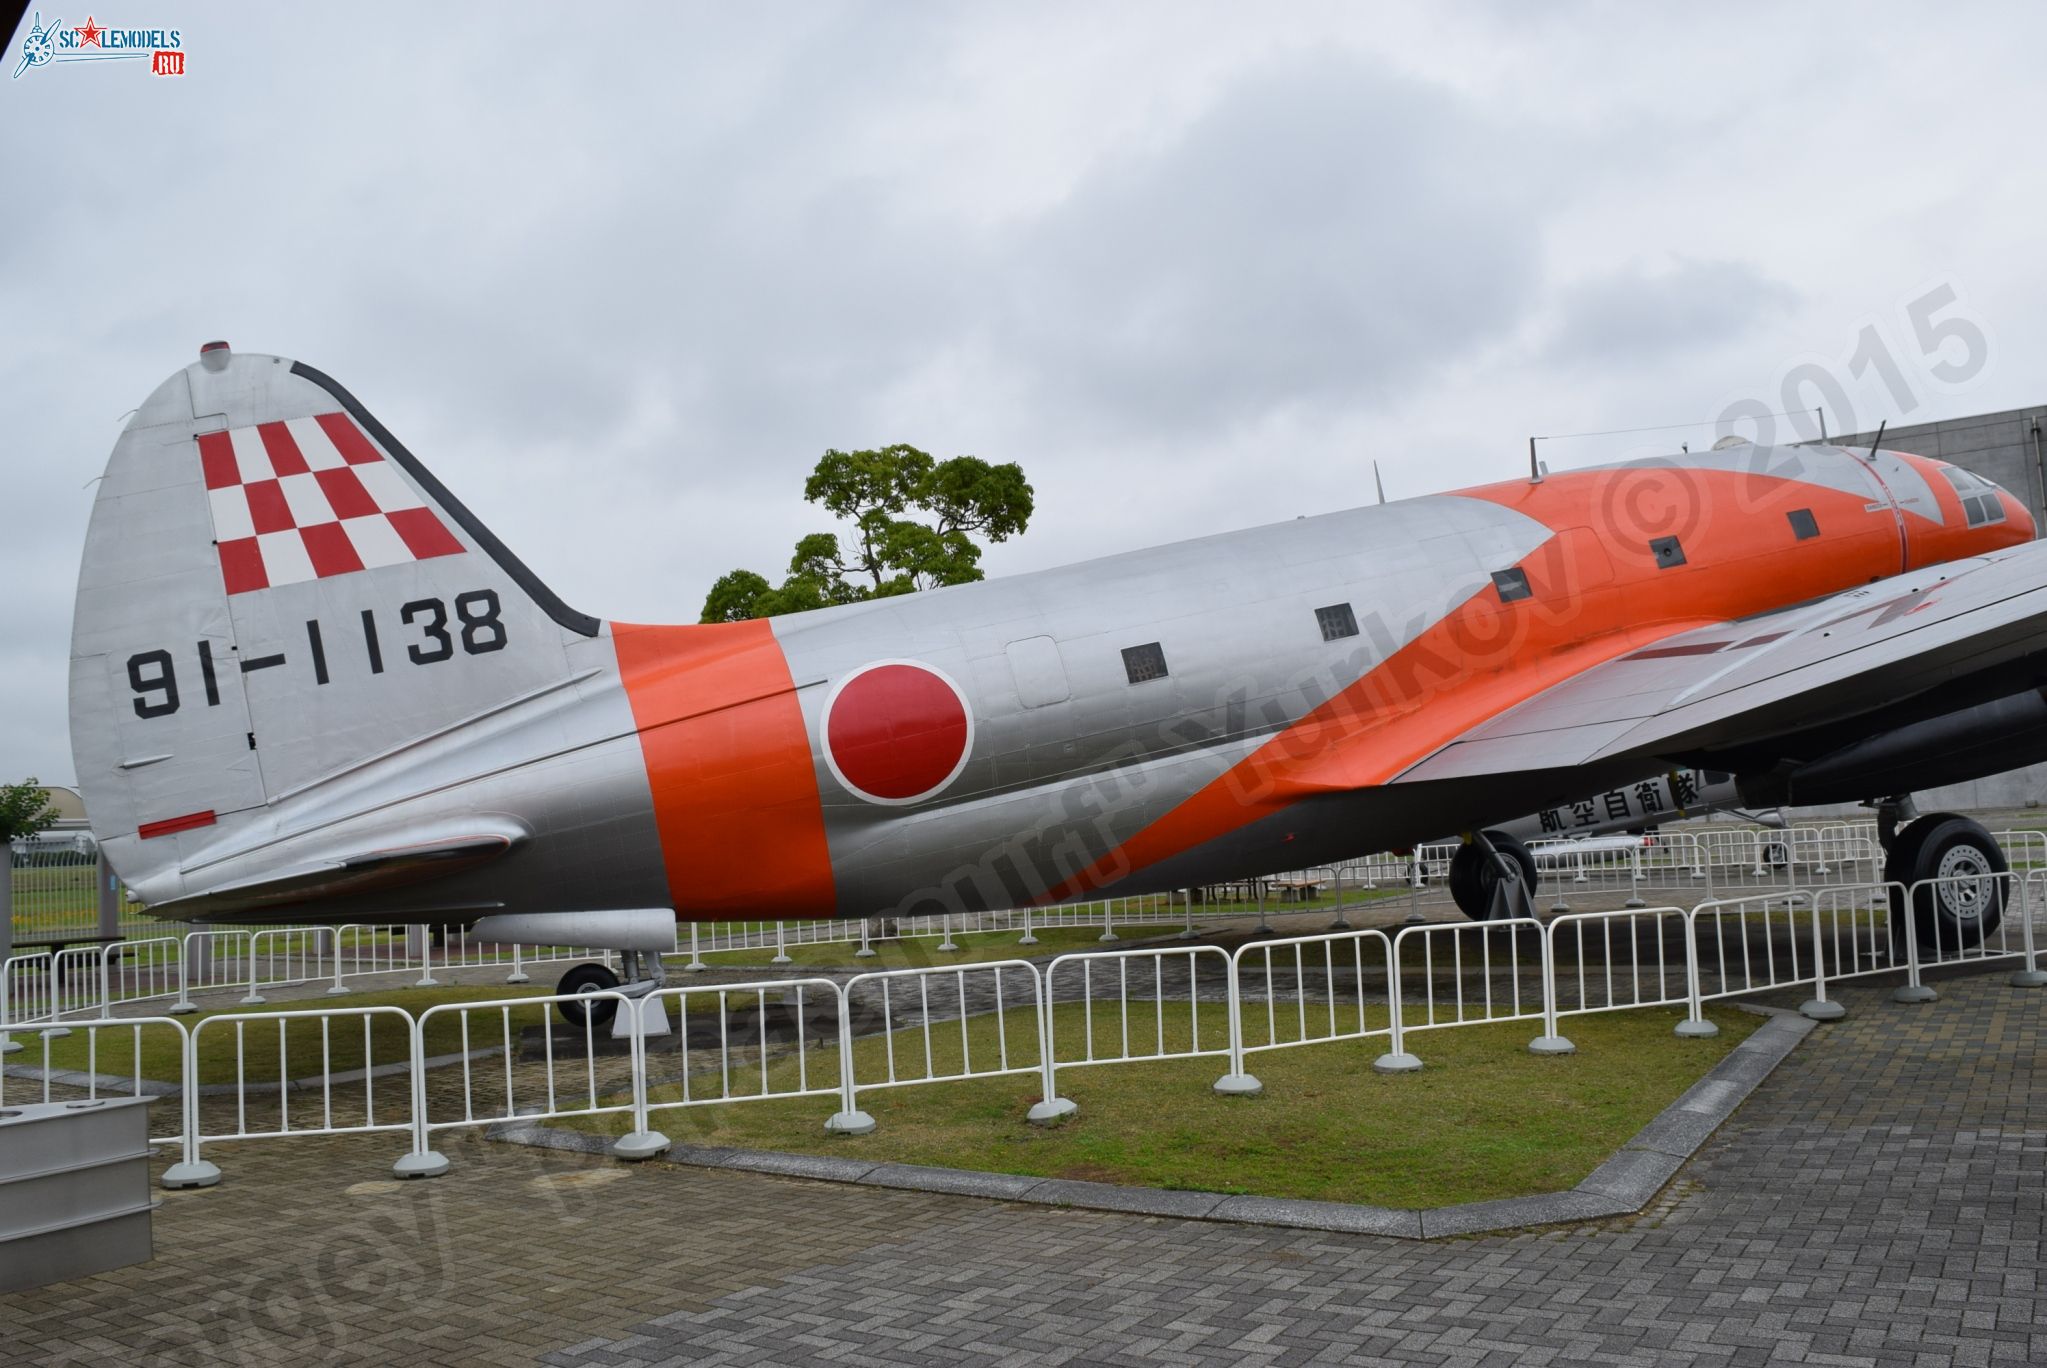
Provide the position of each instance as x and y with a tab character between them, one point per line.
74	1190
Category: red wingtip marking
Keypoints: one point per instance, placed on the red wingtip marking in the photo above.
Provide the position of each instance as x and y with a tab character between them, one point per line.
169	825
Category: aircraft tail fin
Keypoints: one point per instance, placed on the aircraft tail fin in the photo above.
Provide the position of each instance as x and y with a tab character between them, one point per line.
275	593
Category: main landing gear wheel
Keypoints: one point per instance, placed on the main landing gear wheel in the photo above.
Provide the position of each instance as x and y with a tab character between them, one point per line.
586	978
1474	874
1967	904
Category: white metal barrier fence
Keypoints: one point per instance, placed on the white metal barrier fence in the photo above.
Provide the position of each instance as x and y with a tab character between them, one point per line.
1110	1031
54	985
356	1070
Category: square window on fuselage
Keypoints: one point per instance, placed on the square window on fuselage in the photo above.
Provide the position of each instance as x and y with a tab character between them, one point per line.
1144	663
1336	621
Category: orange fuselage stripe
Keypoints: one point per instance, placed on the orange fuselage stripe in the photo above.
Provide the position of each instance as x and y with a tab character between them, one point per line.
1597	593
729	764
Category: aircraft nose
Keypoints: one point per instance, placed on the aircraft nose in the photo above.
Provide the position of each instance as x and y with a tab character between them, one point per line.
2017	514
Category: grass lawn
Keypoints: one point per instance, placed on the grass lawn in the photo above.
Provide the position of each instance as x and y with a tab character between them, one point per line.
388	1034
1484	1119
921	952
54	898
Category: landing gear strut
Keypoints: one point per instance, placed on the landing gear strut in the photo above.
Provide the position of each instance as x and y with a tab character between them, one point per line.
1965	904
1492	875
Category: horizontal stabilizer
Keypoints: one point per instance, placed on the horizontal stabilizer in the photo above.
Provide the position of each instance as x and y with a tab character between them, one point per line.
374	871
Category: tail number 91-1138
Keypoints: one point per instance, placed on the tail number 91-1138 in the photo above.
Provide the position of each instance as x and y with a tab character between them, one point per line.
475	626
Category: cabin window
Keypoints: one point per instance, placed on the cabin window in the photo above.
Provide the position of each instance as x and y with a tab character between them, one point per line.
1512	584
1667	551
1143	663
1979	497
1337	621
1804	523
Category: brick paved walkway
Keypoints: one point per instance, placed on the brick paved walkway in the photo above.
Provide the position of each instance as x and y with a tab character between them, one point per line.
1878	1201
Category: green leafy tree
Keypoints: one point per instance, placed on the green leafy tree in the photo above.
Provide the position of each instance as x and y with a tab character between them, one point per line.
916	524
24	810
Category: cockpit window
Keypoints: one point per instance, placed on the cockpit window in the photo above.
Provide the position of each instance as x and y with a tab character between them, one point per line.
1979	496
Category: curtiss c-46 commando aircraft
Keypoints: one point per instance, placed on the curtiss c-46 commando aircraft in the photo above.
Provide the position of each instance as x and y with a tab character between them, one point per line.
307	684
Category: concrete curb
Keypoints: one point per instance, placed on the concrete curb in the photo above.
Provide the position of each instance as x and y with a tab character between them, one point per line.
1624	1184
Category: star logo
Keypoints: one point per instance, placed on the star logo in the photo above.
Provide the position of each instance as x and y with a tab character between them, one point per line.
89	35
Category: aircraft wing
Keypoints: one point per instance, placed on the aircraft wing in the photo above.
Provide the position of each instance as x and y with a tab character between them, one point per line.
1738	683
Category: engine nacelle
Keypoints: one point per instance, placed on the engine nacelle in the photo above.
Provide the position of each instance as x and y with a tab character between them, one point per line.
1951	748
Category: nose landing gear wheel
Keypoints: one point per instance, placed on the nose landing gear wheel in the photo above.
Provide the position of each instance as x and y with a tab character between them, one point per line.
1966	904
1474	874
585	978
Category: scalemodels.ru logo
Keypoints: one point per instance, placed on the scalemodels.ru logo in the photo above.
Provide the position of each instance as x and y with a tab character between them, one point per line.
163	49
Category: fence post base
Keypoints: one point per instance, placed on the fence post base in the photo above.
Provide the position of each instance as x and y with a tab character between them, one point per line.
639	1145
1696	1028
338	990
252	1000
850	1123
1823	1009
1051	1109
8	1044
1396	1063
1914	992
1241	1085
197	1174
1551	1045
518	976
2029	978
430	1164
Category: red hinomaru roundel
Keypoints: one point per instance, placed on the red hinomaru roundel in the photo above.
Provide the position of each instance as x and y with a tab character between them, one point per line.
896	732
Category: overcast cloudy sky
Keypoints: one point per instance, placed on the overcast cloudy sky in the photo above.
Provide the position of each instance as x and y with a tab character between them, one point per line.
619	275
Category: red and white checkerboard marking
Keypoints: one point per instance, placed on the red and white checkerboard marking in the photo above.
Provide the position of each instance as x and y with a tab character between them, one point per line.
310	498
